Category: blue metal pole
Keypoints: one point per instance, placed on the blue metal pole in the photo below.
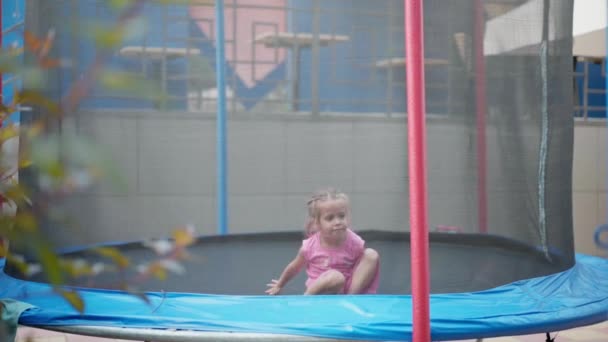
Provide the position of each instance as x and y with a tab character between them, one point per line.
221	150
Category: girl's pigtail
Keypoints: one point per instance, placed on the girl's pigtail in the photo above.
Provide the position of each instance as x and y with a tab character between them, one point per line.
309	226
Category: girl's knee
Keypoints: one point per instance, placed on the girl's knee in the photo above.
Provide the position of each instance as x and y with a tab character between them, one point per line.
335	278
371	255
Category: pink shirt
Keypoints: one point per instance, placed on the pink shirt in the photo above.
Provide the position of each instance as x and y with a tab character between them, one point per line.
343	259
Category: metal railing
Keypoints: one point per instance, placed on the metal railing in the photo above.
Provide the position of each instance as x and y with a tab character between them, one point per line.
296	56
583	106
281	57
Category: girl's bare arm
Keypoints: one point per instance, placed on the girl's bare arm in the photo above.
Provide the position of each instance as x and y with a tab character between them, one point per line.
293	268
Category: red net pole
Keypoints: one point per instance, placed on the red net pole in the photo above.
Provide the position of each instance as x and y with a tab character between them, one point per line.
480	100
414	49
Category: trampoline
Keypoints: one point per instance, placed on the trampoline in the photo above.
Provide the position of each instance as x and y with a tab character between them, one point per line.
308	94
179	311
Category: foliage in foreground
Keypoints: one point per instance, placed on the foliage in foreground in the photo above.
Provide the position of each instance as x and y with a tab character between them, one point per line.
62	165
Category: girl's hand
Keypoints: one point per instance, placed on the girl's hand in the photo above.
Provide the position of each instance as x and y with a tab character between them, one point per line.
274	288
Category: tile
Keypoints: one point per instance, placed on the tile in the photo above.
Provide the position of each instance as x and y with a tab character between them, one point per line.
585	164
157	216
504	339
388	211
175	157
319	154
601	219
43	339
257	158
81	338
586	335
602	208
115	137
602	162
585	221
602	326
27	334
42	335
258	213
380	157
455	209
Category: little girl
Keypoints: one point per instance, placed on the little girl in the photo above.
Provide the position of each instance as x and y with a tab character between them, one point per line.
335	257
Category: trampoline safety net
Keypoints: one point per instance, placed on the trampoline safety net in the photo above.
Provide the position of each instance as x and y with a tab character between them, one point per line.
316	97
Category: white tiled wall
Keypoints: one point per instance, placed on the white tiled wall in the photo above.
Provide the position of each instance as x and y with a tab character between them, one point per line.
589	184
274	164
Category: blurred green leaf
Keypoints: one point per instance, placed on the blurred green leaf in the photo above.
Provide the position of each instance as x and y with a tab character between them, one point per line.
24	162
10	61
64	162
44	151
49	260
77	268
185	2
55	169
135	28
157	270
136	85
31	97
184	236
172	265
106	37
14	192
73	298
78	158
7	224
33	77
18	263
34	129
137	293
113	254
5	110
25	221
8	131
119	4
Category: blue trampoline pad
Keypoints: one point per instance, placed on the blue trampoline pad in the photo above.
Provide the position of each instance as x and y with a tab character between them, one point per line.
575	297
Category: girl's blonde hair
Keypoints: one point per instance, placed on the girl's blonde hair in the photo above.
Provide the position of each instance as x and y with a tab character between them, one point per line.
314	212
